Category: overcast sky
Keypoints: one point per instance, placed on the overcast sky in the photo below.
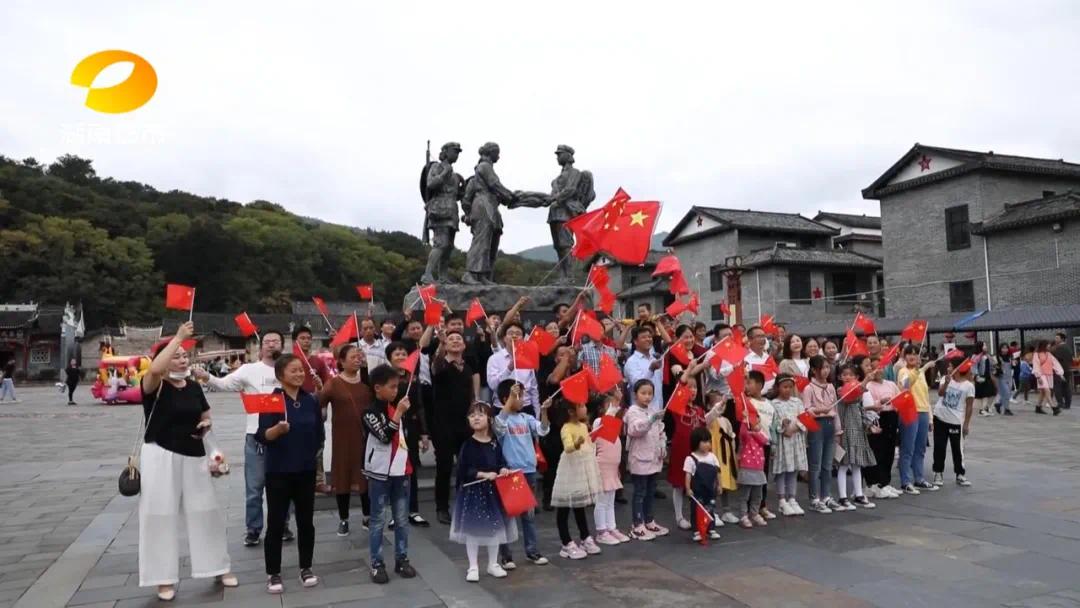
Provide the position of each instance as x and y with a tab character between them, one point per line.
326	110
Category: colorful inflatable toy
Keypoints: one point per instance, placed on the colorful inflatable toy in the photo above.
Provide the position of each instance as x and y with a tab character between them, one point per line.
118	379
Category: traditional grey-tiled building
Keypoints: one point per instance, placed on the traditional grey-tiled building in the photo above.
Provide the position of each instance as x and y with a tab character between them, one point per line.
786	264
966	231
858	233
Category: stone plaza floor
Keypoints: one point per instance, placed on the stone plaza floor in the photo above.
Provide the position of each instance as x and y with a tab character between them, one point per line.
1013	539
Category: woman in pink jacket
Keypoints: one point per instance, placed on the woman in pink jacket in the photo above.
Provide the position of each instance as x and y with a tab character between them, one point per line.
1045	366
645	448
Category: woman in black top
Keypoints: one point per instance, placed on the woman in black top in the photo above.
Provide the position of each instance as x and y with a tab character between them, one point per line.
293	440
176	477
72	373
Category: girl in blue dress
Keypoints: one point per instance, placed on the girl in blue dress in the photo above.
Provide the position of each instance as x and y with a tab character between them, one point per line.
478	517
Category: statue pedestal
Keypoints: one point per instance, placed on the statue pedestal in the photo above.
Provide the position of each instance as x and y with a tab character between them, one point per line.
497	299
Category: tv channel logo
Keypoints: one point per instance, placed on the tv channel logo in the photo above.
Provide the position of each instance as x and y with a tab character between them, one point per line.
129	95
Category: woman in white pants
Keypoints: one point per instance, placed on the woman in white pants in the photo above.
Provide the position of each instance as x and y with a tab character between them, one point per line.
176	478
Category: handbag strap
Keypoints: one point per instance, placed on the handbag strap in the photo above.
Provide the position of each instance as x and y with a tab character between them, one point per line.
139	438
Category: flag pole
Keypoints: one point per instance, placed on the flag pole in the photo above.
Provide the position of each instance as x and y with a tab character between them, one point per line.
357	324
191	311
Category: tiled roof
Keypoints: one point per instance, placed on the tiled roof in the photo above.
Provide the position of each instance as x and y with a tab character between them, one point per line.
871	222
795	256
970	161
11	319
1026	317
1039	211
747	219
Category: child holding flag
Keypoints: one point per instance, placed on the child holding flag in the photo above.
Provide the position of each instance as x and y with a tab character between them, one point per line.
852	439
517	431
645	454
952	420
723	447
752	441
878	401
913	436
789	449
701	469
608	458
478	514
577	484
754	386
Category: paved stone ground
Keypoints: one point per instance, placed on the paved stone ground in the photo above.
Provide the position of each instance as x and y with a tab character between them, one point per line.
67	538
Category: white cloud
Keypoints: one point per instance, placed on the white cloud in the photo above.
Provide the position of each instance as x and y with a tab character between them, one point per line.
326	109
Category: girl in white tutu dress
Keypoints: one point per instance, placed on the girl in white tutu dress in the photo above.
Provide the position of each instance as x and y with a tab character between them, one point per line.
577	484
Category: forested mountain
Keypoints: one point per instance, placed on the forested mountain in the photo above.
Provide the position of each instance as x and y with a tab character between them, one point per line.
67	235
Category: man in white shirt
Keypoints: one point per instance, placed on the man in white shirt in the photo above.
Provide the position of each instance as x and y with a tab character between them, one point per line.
374	347
257	377
500	366
758	354
642	366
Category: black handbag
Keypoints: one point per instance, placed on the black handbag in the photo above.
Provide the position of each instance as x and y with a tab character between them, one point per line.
130	481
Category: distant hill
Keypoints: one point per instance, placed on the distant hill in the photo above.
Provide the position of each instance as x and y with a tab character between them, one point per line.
546	253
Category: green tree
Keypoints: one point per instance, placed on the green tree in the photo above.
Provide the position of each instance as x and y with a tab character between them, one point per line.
73	169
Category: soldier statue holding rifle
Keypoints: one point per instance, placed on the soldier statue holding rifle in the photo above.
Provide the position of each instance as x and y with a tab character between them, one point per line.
441	190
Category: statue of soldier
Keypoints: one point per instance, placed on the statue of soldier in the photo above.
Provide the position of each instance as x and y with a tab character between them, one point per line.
483	194
442	189
571	193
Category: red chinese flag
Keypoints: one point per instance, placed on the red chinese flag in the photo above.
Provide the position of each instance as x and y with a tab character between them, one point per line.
679	352
853	346
243	321
801	382
964	367
738	336
768	325
694	305
914	331
346	333
680	399
321	305
367	292
541	460
851	392
737	379
594	382
179	297
627	230
728	350
745	409
904	404
526	355
609	376
610	427
427	292
864	324
588	228
587	325
769	368
669	264
575	388
544	341
725	309
676	308
807	419
410	362
955	353
888	356
607	301
515	494
678	285
263	403
702	519
433	313
598	276
475	312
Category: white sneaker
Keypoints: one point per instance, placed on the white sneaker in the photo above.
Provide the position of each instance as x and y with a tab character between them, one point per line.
590	546
794	506
729	518
939	479
785	510
819	506
572	551
890	492
496	570
714	535
684	524
696	537
717	521
984	412
472	575
606	538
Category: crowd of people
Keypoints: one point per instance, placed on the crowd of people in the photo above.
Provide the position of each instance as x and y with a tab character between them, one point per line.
400	389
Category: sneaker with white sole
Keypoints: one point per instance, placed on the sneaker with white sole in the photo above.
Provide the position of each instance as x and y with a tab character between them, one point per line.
786	510
962	481
874	491
590	546
864	502
818	506
605	537
657	529
536	559
832	504
571	551
794	506
729	518
641	533
844	505
765	513
619	536
508	564
927	486
939	479
496	570
714	535
758	520
274	584
684	524
912	490
890	492
472	575
696	537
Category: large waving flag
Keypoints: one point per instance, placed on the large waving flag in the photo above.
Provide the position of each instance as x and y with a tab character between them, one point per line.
621	228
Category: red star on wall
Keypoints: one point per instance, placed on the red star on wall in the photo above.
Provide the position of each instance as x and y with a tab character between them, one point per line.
924	163
700	221
817	293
